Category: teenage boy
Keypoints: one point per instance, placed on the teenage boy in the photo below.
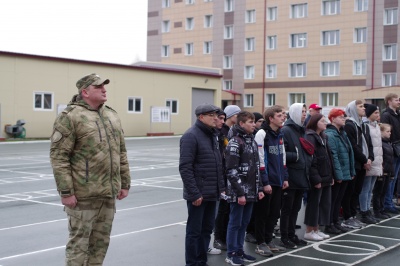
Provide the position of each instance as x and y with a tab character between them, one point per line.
244	185
391	116
221	221
274	178
363	158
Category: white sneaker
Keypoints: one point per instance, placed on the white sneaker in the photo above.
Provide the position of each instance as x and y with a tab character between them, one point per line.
213	251
312	236
324	236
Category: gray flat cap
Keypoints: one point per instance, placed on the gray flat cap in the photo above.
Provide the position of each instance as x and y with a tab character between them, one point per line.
206	108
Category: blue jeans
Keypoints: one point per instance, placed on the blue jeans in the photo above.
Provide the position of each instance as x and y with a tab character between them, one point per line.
239	218
199	226
389	193
366	193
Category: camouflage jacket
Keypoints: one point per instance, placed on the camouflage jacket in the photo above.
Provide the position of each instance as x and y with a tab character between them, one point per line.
88	153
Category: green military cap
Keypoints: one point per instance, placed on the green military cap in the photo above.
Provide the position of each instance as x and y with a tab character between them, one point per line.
92	79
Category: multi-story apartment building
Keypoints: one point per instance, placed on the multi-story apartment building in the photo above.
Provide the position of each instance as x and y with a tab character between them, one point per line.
328	52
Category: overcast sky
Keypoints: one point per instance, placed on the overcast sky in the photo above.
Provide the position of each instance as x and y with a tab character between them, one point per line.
111	31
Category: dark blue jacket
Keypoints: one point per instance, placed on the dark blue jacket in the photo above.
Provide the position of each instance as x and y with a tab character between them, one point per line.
272	156
298	161
388	155
200	164
342	153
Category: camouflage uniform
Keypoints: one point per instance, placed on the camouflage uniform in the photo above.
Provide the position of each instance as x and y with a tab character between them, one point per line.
89	160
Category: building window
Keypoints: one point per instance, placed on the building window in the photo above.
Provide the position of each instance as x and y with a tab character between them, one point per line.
248	100
165	51
329	99
228	32
208	1
250	16
173	104
330	7
165	3
165	26
208	21
389	79
249	72
330	37
299	11
298	40
270	71
43	101
229	5
360	67
249	44
227	64
189	2
189	23
272	13
390	16
271	42
390	52
360	35
134	105
330	69
269	99
207	48
189	49
361	5
297	98
227	85
297	70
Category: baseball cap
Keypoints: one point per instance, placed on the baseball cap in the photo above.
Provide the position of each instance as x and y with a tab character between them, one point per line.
91	79
315	106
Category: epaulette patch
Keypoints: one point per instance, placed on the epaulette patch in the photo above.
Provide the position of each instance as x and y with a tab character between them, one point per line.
110	108
68	109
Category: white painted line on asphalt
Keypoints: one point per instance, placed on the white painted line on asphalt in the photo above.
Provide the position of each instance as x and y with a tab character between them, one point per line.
375	254
317	259
118	210
379	247
385	226
348	247
178	188
113	236
380	237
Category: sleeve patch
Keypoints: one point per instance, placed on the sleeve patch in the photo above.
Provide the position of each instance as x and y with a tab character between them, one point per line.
57	136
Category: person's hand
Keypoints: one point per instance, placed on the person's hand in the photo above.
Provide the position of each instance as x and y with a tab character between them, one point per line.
318	185
123	193
333	182
198	202
260	195
285	185
242	200
267	189
367	166
69	202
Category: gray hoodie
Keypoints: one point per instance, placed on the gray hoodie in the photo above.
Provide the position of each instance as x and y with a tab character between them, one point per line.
295	113
351	111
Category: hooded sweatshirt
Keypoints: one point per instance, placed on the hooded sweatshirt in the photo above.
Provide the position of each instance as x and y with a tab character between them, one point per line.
354	130
298	161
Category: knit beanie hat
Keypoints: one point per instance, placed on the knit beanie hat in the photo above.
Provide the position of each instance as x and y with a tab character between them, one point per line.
231	110
370	109
257	116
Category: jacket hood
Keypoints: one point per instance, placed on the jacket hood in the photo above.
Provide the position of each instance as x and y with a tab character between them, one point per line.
295	112
77	100
351	111
239	131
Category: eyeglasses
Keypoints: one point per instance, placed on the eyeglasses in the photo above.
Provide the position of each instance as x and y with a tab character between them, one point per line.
210	114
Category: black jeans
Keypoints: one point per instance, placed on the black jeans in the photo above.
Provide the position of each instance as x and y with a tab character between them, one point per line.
351	197
221	221
380	188
266	214
338	191
291	205
199	226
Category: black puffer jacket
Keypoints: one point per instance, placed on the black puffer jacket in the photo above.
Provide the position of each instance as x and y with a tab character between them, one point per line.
388	167
321	170
298	161
200	164
242	166
392	118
